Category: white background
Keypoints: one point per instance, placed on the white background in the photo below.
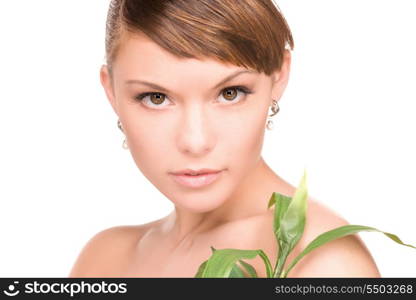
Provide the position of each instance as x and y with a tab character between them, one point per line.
348	116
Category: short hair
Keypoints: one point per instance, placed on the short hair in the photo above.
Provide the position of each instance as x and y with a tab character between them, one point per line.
248	33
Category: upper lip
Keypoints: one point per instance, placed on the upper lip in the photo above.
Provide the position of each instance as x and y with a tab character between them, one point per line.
193	172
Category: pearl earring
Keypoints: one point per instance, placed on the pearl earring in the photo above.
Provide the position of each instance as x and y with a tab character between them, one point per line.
275	109
124	145
270	124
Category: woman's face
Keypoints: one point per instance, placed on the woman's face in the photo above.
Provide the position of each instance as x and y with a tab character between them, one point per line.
189	117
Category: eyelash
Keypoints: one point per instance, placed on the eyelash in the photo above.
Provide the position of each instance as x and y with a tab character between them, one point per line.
246	91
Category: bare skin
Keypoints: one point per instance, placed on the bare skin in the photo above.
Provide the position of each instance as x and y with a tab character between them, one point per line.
196	127
147	250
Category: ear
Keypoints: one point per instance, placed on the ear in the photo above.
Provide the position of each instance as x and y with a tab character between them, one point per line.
281	78
108	86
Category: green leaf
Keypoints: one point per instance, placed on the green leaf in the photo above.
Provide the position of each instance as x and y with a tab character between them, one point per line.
281	203
201	269
335	234
249	268
236	272
222	261
290	223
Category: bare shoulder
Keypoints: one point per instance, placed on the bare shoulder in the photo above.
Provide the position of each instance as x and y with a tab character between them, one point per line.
106	253
344	257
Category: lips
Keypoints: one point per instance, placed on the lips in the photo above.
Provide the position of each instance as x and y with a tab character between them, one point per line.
195	172
200	178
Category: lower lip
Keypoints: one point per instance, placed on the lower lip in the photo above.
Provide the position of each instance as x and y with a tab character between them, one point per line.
198	180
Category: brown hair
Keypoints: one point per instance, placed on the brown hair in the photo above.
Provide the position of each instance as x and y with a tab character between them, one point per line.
249	33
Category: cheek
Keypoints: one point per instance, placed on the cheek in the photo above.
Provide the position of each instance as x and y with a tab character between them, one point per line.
148	147
244	140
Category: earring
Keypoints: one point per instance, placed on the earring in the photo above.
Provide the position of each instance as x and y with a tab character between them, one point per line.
124	145
275	109
119	125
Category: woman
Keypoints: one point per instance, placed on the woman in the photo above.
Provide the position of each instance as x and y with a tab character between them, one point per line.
191	83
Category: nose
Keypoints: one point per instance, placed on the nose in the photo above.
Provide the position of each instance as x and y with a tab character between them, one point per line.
194	133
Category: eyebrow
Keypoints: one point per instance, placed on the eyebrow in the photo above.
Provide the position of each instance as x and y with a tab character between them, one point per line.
156	86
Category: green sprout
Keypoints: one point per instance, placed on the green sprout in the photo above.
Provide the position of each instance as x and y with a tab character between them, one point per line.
288	227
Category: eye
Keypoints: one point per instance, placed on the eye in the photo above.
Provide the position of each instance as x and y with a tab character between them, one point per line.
154	98
231	93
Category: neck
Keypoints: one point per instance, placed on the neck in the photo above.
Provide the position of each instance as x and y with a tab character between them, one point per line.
250	198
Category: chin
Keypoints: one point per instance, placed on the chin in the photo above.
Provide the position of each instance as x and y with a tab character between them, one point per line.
201	201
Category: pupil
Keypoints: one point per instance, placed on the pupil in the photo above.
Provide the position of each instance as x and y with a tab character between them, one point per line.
229	94
158	98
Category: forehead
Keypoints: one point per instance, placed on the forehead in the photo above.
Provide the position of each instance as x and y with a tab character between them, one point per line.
138	54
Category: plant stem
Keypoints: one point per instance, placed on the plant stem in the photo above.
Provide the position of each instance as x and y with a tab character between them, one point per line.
269	270
280	263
